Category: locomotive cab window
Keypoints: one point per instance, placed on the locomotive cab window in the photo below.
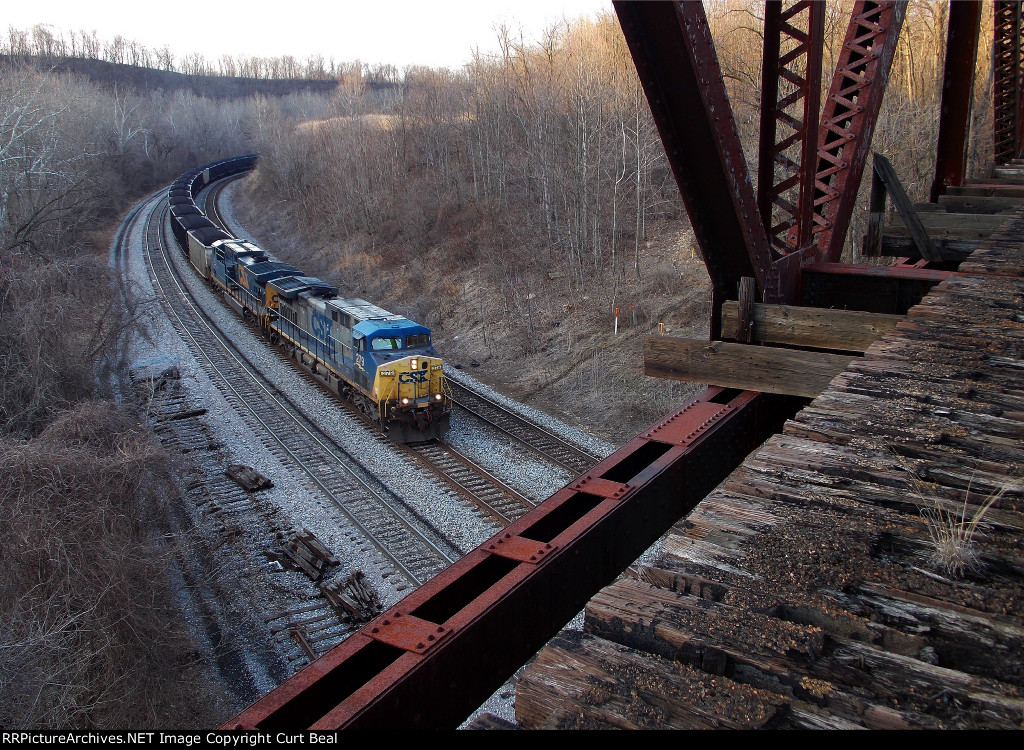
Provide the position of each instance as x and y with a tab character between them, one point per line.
420	339
384	343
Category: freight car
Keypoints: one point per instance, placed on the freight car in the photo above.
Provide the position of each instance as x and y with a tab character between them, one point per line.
382	363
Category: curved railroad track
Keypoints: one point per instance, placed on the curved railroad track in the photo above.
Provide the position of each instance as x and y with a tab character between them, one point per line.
472	481
408	542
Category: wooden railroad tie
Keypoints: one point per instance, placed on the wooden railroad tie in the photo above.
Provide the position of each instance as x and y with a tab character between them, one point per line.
785	367
301	550
248	478
792	372
352	597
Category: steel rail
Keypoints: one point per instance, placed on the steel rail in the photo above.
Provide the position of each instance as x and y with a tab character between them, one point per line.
505	504
228	351
431	660
575	459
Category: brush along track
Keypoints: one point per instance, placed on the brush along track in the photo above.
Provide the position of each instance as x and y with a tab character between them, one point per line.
394	528
535	437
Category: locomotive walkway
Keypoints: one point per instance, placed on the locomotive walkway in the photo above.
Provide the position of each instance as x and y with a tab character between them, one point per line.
807	590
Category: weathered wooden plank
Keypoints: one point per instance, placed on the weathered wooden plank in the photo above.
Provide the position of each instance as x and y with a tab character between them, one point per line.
757	649
816	327
978	204
990	189
993	260
1009	173
915	682
950	249
914	224
579	681
939	224
672	625
753	368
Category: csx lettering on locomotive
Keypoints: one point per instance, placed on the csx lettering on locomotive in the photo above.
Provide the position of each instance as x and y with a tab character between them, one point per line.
320	326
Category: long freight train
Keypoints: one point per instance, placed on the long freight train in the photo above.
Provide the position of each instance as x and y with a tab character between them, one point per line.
381	362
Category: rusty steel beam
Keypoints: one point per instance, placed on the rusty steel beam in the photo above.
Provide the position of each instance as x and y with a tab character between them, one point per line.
675	58
962	34
794	35
878	289
849	116
435	657
1006	90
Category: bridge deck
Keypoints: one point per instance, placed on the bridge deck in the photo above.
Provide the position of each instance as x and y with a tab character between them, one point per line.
806	590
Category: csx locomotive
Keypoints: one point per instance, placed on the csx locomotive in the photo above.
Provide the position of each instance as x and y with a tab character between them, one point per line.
381	362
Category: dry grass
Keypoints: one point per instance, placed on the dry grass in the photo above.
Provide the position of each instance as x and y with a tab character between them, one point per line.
953	528
952	532
90	635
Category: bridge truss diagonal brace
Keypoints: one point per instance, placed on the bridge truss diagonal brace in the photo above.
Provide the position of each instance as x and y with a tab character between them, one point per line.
790	100
849	116
671	46
1006	91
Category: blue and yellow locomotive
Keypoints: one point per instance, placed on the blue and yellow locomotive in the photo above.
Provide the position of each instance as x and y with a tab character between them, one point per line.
383	363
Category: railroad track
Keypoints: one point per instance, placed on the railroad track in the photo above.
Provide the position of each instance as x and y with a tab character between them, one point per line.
413	548
535	437
245	658
210	200
469	479
491	495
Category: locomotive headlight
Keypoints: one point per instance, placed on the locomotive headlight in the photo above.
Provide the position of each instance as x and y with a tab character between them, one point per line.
405	401
415	363
437	396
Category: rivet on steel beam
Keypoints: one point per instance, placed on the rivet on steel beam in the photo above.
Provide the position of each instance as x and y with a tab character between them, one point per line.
440	629
430	637
548	546
533	557
420	645
508	536
387	622
375	630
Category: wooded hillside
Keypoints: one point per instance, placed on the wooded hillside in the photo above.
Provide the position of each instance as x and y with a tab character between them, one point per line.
515	204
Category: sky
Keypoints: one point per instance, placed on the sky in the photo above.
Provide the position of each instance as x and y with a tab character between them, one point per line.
441	33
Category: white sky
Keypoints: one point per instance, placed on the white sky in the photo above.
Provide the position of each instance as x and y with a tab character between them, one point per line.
400	32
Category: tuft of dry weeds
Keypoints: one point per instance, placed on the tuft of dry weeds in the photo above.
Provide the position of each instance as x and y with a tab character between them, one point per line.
952	528
952	532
